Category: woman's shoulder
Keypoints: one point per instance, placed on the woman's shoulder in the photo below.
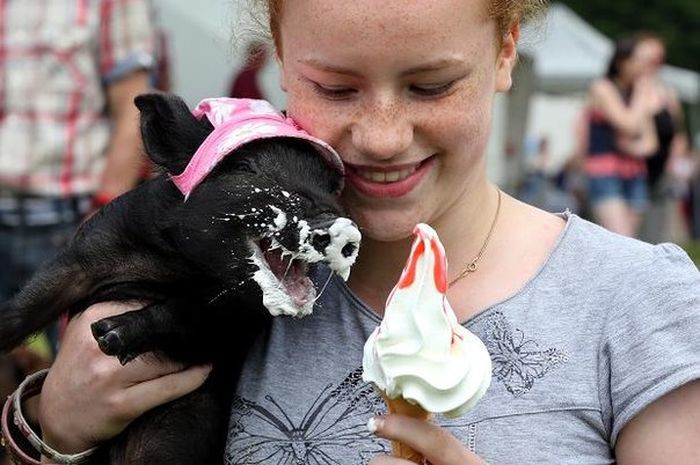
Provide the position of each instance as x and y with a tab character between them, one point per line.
595	240
626	260
620	287
601	93
601	88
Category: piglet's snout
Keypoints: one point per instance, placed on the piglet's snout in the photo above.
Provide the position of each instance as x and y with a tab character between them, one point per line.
339	244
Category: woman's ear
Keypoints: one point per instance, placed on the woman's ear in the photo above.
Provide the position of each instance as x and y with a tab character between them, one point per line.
507	58
170	133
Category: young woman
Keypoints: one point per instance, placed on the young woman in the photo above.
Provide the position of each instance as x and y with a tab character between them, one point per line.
592	335
621	135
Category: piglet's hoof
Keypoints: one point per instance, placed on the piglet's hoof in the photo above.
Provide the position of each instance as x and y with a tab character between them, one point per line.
108	335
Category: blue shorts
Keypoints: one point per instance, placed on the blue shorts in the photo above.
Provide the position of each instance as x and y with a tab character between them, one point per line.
633	191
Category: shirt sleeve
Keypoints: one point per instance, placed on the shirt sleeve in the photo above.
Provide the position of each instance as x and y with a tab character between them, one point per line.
126	38
652	341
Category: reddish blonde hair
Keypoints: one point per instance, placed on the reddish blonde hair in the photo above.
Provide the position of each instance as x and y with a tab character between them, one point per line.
508	12
505	12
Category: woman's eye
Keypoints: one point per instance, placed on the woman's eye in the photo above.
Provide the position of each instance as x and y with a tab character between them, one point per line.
432	90
334	92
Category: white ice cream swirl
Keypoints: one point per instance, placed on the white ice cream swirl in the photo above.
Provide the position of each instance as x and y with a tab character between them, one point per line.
420	351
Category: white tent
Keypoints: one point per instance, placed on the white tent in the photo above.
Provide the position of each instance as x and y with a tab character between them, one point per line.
568	53
201	45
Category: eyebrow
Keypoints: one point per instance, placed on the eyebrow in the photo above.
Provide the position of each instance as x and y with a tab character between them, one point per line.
435	65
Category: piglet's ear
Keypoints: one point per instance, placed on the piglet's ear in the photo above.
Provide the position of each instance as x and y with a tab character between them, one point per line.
171	134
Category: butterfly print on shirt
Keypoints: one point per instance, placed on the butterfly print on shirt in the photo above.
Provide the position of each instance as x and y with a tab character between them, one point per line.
518	362
336	422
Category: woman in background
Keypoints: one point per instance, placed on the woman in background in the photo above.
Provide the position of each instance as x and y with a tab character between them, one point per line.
621	134
669	167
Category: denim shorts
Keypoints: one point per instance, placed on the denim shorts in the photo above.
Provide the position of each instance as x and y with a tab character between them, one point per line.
633	191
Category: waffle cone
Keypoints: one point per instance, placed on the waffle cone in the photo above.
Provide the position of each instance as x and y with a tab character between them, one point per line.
401	407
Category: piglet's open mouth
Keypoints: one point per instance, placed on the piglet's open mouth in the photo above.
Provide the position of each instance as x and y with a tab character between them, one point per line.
283	279
291	273
283	274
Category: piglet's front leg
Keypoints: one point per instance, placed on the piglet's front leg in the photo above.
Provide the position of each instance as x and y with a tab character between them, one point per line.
165	327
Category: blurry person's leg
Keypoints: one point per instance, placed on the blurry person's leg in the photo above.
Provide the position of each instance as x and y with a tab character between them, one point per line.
32	230
614	215
9	272
636	195
608	205
38	245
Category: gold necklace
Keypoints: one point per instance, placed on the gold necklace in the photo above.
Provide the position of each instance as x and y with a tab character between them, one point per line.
473	265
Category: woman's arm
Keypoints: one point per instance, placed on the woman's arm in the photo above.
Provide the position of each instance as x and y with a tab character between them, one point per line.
89	397
628	119
667	431
644	145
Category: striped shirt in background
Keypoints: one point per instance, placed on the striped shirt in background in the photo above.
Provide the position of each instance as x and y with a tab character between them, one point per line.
57	58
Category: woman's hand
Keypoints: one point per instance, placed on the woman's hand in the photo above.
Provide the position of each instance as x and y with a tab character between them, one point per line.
437	445
89	397
650	94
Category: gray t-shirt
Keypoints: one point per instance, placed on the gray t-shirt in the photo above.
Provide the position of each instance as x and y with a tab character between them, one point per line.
608	325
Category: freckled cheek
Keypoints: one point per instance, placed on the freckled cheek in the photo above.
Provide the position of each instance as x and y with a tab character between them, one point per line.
320	118
461	133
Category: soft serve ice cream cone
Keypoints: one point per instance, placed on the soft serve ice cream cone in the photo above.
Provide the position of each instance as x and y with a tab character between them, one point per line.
420	357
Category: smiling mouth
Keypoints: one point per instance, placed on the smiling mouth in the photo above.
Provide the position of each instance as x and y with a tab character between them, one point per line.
387	182
386	175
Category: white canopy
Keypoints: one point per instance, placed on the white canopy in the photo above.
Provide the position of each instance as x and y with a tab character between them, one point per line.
200	36
568	53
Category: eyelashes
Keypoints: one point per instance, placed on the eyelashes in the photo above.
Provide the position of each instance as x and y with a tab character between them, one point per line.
433	90
346	93
333	92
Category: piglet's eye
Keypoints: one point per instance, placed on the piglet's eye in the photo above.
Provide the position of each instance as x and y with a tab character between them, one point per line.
245	168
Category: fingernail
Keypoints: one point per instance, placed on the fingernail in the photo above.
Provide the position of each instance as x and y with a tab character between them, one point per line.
374	424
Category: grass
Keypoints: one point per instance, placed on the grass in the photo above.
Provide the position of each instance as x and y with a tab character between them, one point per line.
693	249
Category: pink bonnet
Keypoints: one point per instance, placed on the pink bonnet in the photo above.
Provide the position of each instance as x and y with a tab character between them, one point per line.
237	122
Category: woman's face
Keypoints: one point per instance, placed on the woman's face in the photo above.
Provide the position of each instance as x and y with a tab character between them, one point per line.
403	90
633	66
650	55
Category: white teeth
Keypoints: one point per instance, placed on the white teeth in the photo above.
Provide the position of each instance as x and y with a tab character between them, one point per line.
387	176
392	176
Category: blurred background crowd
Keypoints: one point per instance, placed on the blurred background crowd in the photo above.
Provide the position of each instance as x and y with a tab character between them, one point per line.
603	120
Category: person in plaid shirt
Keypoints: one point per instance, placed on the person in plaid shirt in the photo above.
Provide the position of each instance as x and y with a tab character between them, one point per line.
69	138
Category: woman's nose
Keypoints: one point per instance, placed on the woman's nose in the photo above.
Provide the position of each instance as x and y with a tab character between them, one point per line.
383	131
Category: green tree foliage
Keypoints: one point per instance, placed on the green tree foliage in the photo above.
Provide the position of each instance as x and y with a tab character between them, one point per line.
676	21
